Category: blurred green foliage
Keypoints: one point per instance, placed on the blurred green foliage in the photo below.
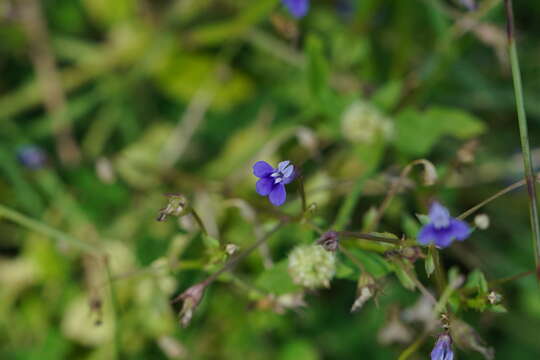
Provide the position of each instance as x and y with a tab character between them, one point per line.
183	96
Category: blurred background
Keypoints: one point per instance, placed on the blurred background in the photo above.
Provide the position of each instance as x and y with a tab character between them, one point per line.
105	106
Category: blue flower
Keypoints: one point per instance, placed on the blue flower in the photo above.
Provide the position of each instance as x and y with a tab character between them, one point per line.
272	181
443	348
297	8
442	229
32	157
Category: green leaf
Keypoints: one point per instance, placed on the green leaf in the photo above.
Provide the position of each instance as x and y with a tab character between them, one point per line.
404	276
420	131
429	262
387	97
374	263
317	68
477	281
276	280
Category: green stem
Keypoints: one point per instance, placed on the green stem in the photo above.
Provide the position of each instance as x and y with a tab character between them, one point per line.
523	132
302	191
345	211
440	276
413	347
115	310
44	229
199	221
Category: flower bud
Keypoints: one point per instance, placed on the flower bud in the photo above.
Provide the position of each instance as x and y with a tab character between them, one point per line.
191	299
443	348
366	290
177	206
468	339
312	266
329	241
481	221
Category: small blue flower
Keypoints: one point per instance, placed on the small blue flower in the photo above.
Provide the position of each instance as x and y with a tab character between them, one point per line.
31	157
442	229
443	348
297	8
272	181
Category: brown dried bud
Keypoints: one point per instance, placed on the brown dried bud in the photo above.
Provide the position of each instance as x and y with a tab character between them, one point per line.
177	206
365	291
191	299
329	241
467	338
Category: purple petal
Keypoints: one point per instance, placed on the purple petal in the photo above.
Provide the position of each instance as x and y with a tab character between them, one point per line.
264	186
262	169
443	237
427	234
298	8
278	195
282	165
460	230
288	179
439	215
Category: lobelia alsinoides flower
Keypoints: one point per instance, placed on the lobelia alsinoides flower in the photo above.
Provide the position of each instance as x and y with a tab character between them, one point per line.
443	348
297	8
272	181
442	229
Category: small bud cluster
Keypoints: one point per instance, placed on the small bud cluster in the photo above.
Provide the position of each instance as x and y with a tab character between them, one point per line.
177	206
312	266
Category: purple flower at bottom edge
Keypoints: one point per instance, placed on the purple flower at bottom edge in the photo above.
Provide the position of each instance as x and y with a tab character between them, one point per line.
272	181
443	348
442	229
297	8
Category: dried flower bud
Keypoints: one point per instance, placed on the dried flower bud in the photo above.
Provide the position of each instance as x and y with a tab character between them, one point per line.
394	331
494	298
312	266
365	291
481	221
329	241
191	299
231	249
467	153
430	172
177	206
467	338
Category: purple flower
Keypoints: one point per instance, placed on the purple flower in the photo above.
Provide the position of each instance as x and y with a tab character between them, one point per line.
443	348
297	8
31	157
442	228
272	181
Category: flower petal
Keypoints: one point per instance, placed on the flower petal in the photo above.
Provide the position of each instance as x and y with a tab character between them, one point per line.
426	235
460	229
439	215
262	169
282	165
278	195
264	186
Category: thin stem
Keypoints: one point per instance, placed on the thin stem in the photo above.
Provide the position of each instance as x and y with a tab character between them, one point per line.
524	136
232	262
491	198
411	349
199	221
115	309
371	237
348	206
440	276
302	191
510	278
44	229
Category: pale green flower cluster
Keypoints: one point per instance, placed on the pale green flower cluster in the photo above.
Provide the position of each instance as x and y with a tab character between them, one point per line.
312	266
